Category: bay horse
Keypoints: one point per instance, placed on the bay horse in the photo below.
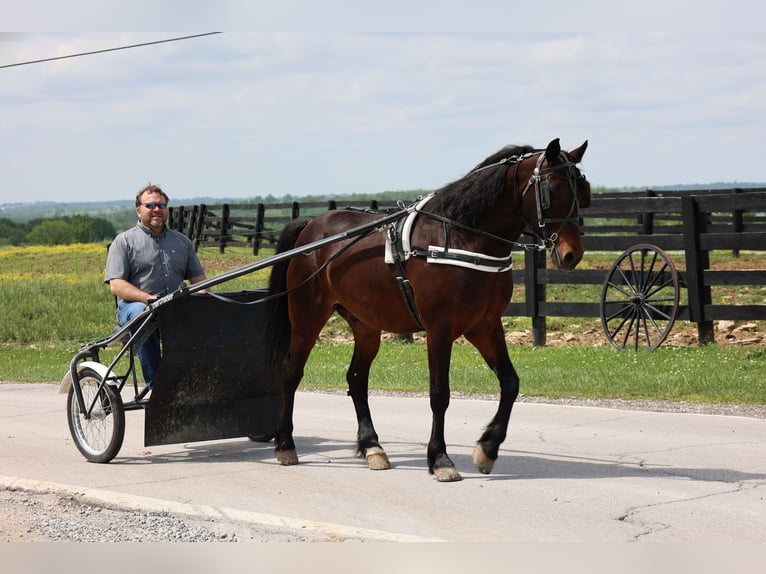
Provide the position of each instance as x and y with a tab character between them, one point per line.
453	279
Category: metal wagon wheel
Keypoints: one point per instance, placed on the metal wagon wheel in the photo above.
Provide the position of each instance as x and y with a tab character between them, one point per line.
639	298
98	437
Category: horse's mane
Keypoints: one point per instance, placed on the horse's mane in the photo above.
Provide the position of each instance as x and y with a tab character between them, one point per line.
468	199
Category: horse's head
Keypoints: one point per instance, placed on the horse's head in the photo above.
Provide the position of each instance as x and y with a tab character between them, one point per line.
551	200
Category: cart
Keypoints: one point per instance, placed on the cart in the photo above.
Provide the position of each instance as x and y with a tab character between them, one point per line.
212	381
640	298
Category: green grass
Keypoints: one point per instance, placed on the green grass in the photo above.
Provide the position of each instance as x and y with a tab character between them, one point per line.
707	374
695	374
52	300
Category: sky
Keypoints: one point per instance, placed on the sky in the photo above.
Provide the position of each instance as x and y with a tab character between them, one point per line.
240	114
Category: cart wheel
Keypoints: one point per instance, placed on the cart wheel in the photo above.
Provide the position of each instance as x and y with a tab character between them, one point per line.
98	438
639	299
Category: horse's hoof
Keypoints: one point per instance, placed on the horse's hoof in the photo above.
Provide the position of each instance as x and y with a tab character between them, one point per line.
447	474
287	457
481	461
377	459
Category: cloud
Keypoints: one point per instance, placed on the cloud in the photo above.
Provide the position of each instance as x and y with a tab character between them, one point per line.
241	114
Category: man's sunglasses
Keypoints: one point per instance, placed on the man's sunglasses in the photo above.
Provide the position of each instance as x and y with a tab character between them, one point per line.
153	204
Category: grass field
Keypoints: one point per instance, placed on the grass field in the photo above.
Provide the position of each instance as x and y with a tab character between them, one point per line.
52	300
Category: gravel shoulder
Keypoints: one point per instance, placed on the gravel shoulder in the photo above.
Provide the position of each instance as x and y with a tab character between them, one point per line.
27	516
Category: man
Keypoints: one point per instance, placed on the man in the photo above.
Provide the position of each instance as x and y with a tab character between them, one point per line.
147	262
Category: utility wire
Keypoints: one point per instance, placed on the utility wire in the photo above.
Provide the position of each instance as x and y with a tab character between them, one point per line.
108	50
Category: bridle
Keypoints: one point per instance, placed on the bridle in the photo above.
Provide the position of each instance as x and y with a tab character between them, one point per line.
541	186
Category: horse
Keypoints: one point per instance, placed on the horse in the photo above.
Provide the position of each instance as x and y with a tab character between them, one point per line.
454	278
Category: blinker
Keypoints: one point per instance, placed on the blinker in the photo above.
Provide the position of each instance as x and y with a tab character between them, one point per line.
544	194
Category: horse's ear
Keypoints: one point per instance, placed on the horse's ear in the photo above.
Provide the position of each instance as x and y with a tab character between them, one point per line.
552	151
577	153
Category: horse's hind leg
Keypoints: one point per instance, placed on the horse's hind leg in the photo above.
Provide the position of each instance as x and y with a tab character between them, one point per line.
366	346
490	342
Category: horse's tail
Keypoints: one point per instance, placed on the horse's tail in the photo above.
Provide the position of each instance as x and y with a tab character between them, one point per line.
277	318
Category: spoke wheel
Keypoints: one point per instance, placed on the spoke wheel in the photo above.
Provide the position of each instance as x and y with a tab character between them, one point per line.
98	437
639	298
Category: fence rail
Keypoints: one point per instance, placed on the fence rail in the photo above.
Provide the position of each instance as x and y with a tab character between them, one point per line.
695	223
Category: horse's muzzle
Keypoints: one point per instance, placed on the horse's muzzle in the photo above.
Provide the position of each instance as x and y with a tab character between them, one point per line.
566	257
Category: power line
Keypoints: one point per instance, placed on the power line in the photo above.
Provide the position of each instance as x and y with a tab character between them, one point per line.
108	50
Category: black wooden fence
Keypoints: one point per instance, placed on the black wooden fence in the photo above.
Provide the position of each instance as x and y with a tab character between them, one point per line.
690	225
246	225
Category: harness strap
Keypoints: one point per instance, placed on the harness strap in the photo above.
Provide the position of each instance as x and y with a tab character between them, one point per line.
409	298
460	258
396	255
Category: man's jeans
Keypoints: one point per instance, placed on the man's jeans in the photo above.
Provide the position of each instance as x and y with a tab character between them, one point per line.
149	353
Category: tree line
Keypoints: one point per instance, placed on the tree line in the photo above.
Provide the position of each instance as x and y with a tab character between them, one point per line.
62	230
52	227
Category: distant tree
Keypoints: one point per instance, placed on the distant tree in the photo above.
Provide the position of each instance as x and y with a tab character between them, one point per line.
123	220
12	232
52	232
101	229
67	229
80	225
89	229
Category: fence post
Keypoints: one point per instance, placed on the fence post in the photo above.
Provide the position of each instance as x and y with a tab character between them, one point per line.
697	261
260	214
224	228
176	218
200	226
332	205
647	223
737	222
191	224
534	293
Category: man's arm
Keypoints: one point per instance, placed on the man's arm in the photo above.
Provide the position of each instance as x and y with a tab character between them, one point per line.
128	292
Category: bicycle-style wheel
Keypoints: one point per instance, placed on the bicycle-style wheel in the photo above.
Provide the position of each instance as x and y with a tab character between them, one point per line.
98	437
639	298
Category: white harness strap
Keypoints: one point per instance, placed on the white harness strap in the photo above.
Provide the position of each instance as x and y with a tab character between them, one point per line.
468	259
406	232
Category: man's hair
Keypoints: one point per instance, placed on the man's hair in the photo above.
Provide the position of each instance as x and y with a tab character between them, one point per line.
151	188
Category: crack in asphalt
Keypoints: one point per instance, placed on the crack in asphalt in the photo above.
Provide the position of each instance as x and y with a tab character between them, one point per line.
631	515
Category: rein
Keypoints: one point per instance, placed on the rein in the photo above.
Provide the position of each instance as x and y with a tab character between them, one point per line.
453	223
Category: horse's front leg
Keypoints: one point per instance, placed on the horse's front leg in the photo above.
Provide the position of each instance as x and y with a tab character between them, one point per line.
439	354
366	347
490	342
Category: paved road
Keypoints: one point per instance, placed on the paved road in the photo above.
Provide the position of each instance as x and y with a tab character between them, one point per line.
566	473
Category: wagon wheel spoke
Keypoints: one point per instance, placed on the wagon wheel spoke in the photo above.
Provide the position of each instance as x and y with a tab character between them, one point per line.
661	288
657	312
648	318
648	272
620	289
613	332
629	331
